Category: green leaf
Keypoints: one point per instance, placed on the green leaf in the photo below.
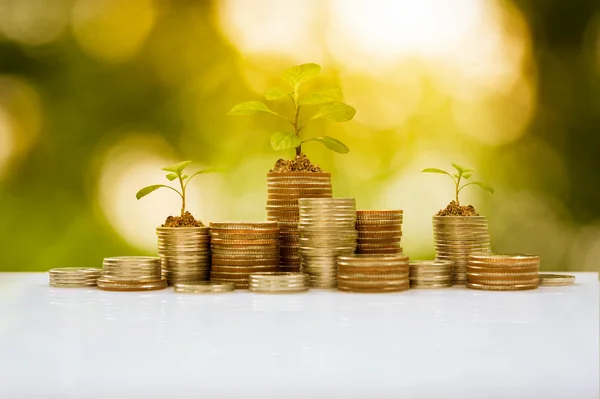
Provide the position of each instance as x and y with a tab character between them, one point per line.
172	176
147	190
284	141
331	143
435	170
301	73
466	176
322	96
177	168
456	175
202	172
276	93
249	108
461	169
335	111
184	177
484	186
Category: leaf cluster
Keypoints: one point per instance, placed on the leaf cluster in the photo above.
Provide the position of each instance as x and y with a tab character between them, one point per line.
461	173
328	100
175	172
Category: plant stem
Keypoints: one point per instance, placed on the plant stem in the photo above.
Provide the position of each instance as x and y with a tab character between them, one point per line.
457	189
296	129
182	196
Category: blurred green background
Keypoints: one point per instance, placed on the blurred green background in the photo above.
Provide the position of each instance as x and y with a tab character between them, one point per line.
97	95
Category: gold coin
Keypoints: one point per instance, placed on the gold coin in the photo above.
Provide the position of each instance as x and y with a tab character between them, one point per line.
556	279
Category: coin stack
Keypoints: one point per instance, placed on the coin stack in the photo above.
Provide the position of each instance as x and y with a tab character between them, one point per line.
73	277
131	273
379	232
185	253
503	272
327	230
242	248
373	273
284	190
431	273
282	282
458	236
203	287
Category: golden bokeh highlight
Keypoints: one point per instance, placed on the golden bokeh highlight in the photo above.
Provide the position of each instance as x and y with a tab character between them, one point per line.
34	22
113	30
20	120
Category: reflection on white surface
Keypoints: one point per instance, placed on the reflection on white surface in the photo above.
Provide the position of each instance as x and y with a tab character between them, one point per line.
444	343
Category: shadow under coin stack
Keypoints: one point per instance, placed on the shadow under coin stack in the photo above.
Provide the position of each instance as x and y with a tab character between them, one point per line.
503	272
284	190
185	253
431	274
131	273
379	232
278	283
242	248
73	277
373	273
458	236
327	230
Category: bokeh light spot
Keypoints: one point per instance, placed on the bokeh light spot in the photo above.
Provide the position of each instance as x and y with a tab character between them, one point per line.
113	30
20	120
34	22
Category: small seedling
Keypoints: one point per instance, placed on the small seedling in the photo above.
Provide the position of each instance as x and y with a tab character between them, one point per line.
462	173
328	99
175	172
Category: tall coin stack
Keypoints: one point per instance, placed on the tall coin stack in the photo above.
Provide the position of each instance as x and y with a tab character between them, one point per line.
458	236
185	253
379	232
327	230
503	272
431	274
284	190
131	273
242	248
373	273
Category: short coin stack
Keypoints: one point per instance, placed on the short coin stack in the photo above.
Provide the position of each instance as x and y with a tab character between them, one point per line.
203	287
431	274
131	273
503	272
379	232
458	236
279	282
284	190
327	230
242	248
74	277
185	253
373	273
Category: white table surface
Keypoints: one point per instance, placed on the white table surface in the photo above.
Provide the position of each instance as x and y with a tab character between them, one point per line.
449	343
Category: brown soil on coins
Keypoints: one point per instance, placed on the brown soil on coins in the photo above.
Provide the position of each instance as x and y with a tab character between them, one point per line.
299	164
186	221
453	209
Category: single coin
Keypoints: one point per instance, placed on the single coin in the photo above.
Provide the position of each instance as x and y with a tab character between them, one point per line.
108	285
420	285
504	258
548	280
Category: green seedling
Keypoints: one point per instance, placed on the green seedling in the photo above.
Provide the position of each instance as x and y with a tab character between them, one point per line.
175	172
328	100
462	173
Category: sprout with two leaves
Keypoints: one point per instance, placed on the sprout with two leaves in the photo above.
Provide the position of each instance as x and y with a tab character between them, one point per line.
327	99
462	173
175	172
